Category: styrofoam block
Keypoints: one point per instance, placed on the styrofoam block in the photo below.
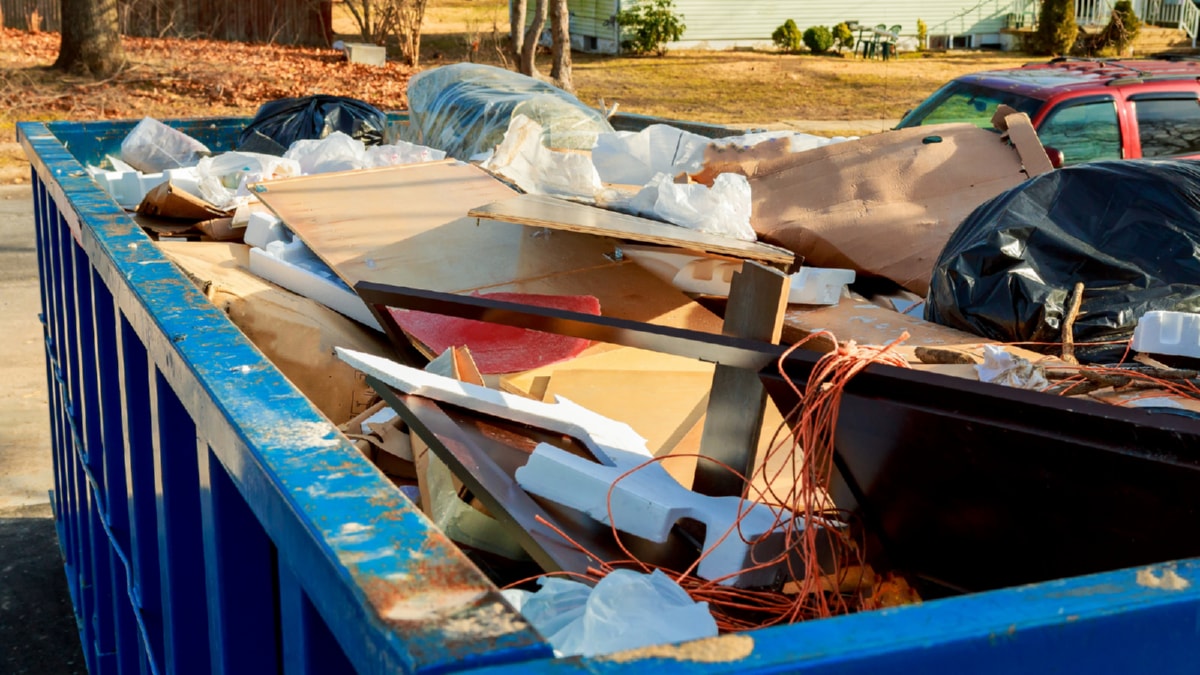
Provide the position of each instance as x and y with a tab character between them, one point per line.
262	228
333	293
818	285
649	502
1170	333
129	188
708	275
607	439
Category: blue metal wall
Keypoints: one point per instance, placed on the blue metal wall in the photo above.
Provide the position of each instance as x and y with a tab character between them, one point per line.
212	520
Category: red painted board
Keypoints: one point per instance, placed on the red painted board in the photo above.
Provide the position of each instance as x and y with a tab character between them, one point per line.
496	348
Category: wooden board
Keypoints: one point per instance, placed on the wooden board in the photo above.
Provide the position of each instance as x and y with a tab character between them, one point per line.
661	406
406	226
297	334
559	214
856	318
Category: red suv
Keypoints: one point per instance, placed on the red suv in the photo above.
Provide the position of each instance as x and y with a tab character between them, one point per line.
1086	109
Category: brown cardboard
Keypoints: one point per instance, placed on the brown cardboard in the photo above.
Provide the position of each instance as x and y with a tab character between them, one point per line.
169	201
884	205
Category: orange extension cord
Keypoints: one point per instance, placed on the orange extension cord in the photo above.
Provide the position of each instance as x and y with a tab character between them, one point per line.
807	520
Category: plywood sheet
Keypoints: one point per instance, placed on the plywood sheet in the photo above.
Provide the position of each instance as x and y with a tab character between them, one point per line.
856	318
406	226
661	406
559	214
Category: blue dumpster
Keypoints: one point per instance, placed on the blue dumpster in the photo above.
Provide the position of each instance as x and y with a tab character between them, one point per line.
212	520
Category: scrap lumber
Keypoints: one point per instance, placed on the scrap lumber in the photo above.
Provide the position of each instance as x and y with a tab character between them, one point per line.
560	214
297	334
757	299
406	225
856	318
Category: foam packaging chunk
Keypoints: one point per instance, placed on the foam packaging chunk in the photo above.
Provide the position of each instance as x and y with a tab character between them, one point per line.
1170	333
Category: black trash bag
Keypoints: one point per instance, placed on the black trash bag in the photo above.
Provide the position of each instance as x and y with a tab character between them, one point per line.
287	120
1129	230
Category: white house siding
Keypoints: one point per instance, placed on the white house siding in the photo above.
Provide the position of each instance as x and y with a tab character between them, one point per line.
720	23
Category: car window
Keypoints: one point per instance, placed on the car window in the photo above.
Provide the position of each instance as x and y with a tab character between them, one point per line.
1168	126
969	103
1083	131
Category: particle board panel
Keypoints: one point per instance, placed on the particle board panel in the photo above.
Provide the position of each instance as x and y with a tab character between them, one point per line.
560	214
656	404
600	357
856	318
407	226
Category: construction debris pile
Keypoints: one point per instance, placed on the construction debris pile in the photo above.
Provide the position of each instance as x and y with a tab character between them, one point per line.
501	301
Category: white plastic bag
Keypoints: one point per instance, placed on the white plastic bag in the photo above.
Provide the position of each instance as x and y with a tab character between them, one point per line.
152	146
625	610
222	179
722	209
340	152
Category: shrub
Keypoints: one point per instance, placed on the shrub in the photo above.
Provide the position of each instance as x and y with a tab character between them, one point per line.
818	39
922	34
652	24
843	37
1056	27
787	37
1122	26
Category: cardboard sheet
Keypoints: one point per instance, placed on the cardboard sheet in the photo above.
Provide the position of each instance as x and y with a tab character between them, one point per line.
884	205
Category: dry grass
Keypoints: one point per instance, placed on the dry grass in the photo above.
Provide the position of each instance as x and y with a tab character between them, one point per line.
175	78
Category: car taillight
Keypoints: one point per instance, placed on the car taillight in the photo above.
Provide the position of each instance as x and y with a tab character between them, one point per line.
1056	157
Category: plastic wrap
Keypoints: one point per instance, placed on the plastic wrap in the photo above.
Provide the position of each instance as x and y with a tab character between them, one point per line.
1129	230
339	152
465	109
152	146
288	120
625	610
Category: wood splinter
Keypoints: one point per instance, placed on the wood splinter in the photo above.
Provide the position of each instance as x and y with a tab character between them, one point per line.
1068	325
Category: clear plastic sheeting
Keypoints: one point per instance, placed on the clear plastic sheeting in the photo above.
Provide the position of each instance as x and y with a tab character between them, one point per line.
625	610
466	108
536	169
152	146
222	179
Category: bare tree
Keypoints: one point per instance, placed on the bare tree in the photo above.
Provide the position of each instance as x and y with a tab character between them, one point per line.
516	20
91	41
529	48
560	29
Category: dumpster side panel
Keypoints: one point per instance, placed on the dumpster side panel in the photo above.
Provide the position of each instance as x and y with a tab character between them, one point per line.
211	519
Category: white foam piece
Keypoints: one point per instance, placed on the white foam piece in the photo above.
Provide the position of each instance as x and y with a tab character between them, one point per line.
129	188
818	285
607	439
1170	333
649	502
263	228
315	285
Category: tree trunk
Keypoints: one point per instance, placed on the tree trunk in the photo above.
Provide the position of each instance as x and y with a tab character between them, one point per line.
91	40
529	49
560	29
516	20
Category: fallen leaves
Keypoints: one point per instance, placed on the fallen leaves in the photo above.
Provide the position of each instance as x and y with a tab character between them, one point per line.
172	78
